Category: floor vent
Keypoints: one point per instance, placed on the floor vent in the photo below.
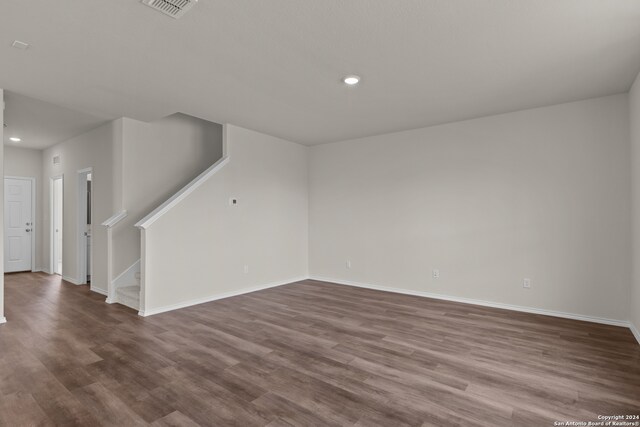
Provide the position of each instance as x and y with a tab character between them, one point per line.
173	8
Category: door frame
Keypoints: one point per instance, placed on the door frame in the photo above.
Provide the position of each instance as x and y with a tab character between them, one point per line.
52	239
81	225
33	215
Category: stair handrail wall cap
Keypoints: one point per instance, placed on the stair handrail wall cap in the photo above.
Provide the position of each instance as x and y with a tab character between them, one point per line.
116	218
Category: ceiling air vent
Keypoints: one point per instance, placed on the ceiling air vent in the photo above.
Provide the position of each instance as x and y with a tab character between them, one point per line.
173	8
56	160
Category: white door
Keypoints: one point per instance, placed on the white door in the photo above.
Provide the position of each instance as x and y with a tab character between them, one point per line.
18	224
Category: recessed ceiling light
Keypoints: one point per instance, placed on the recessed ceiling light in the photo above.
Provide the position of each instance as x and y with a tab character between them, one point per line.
14	139
20	45
351	80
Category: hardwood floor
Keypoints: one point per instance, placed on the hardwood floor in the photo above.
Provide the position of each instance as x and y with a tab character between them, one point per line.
309	353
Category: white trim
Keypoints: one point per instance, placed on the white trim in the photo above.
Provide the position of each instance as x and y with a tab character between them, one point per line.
142	304
81	225
520	308
218	297
635	331
52	222
116	218
3	320
180	195
34	223
72	280
98	291
34	216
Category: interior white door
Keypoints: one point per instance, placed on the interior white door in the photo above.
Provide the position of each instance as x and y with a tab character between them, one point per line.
18	224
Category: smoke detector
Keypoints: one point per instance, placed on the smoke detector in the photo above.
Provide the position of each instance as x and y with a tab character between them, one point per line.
173	8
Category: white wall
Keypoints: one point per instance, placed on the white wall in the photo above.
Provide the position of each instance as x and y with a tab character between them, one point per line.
2	319
197	251
634	114
92	149
158	159
24	162
540	194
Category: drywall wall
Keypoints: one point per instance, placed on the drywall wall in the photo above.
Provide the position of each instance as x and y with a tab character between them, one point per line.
24	162
117	164
157	159
2	318
90	150
634	121
540	194
199	249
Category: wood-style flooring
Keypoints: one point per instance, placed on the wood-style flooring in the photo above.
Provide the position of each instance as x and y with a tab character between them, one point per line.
305	354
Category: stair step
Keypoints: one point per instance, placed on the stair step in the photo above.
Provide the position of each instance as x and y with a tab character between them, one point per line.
132	291
129	296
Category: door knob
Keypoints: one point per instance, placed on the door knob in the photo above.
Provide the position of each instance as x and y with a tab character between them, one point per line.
28	230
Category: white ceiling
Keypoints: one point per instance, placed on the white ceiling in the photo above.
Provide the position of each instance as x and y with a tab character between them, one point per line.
41	124
275	66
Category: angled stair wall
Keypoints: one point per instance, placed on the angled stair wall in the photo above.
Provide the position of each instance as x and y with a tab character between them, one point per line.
151	162
200	245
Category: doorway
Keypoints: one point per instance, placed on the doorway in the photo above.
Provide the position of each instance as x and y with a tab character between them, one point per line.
19	227
57	216
85	180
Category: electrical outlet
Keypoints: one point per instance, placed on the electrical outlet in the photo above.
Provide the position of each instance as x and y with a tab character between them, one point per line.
435	273
526	283
246	269
348	264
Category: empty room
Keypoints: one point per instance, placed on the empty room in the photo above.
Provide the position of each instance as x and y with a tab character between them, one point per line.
320	213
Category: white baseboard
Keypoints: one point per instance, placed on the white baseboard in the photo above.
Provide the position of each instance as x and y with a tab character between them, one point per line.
635	331
98	290
3	320
72	280
197	301
532	310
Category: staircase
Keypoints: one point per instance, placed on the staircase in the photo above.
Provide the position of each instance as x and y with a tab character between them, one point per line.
129	294
126	287
146	200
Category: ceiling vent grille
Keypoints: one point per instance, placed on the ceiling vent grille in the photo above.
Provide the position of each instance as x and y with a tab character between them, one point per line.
173	8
